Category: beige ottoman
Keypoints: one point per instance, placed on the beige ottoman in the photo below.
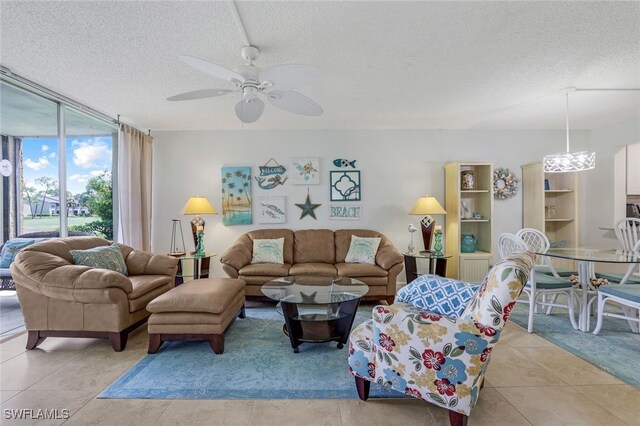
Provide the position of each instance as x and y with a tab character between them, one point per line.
196	311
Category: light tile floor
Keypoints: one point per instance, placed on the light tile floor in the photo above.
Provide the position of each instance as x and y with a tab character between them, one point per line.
530	381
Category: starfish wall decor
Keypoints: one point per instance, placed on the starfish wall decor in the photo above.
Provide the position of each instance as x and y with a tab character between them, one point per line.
308	208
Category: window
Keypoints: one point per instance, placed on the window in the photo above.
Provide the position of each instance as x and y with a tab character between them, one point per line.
42	188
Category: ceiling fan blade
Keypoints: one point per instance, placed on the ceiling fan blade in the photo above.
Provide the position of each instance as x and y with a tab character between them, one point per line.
287	77
249	111
212	69
294	102
200	94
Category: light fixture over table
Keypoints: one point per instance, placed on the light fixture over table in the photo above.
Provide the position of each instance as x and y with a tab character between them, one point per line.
427	206
568	161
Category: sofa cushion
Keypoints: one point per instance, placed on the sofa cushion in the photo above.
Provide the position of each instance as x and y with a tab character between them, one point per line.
343	240
11	248
109	257
439	295
212	295
313	268
360	270
268	251
362	250
145	283
287	234
270	269
314	246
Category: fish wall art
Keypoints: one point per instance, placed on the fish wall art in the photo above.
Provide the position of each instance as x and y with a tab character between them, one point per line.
271	208
341	162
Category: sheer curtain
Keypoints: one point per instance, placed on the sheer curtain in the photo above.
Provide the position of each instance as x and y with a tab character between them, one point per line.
134	188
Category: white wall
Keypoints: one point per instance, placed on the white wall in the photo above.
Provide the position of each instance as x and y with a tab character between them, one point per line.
598	185
397	167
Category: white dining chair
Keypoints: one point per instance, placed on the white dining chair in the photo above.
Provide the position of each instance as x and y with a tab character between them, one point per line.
538	242
628	233
539	284
627	296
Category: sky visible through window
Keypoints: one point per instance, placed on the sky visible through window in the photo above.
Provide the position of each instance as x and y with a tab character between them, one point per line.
86	157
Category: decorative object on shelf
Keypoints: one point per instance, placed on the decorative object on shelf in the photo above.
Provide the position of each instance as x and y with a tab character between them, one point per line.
412	229
6	168
427	206
437	245
199	242
196	206
176	250
308	208
272	173
271	209
547	187
307	171
550	211
467	180
341	162
557	244
236	195
476	216
569	162
505	184
469	243
345	186
466	214
345	212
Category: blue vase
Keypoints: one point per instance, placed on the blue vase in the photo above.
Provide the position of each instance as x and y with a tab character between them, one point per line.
469	243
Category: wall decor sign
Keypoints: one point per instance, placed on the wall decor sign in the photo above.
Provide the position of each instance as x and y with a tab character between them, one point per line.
341	162
345	186
345	211
271	175
271	209
236	195
308	208
306	171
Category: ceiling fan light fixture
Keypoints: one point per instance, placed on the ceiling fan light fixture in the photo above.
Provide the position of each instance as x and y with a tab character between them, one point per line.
569	162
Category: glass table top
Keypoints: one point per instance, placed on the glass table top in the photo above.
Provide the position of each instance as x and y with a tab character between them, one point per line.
426	255
193	255
594	255
314	290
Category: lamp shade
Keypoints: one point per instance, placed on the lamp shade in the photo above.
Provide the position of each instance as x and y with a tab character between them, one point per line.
427	205
198	205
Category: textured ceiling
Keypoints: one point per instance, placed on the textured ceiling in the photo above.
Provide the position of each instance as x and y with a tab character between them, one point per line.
447	65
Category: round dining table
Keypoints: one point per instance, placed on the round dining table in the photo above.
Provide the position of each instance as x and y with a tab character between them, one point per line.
587	258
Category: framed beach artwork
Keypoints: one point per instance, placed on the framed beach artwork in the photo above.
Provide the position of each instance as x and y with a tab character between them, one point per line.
305	171
271	208
345	185
345	212
236	195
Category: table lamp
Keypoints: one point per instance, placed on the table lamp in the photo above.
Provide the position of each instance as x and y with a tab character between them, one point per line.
196	206
427	206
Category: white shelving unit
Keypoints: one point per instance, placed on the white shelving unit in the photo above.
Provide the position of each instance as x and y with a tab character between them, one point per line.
471	267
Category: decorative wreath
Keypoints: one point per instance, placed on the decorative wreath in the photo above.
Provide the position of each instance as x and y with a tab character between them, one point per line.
505	184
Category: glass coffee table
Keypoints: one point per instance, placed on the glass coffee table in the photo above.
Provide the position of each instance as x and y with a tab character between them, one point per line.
316	309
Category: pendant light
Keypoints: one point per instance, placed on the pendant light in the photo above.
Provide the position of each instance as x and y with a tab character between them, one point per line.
569	162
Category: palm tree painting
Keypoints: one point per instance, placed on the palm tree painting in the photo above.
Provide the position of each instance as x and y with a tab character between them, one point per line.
236	195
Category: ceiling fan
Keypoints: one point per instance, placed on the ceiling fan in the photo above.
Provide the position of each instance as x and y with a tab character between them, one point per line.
275	83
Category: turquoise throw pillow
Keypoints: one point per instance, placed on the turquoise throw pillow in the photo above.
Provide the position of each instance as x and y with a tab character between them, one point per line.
11	249
439	295
107	257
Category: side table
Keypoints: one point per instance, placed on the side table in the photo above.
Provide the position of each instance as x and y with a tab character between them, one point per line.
437	264
200	266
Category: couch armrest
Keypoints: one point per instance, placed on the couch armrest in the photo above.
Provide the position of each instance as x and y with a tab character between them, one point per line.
388	256
145	263
442	359
239	254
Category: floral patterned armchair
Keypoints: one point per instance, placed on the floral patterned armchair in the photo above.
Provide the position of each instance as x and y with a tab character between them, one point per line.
439	359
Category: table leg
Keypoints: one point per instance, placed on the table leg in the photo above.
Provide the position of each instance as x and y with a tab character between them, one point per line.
196	268
585	269
410	268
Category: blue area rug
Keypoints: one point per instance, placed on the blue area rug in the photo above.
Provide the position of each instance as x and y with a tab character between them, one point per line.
258	362
615	349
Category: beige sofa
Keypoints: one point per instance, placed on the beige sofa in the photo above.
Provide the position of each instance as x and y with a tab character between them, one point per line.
60	299
314	252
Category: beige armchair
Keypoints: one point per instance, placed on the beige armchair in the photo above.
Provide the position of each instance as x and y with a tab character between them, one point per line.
60	299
